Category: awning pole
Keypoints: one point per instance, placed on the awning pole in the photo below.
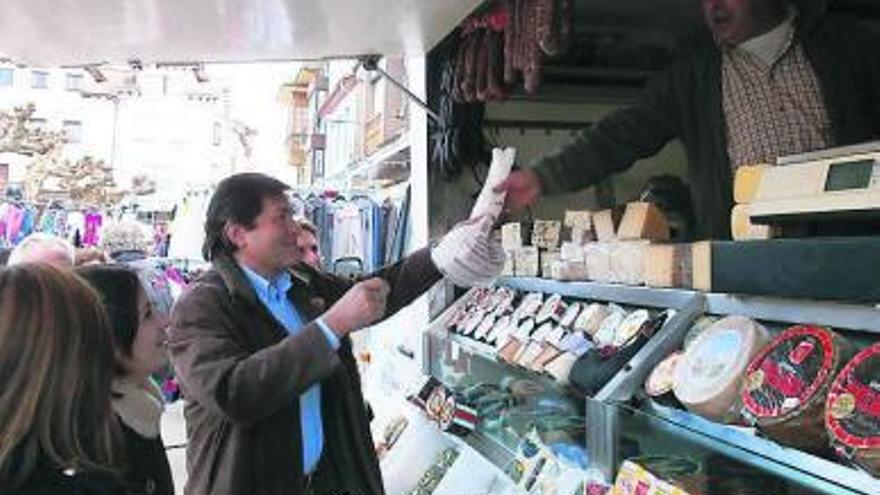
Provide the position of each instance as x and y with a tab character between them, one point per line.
371	63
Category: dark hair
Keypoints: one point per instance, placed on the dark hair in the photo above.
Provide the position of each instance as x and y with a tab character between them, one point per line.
119	288
56	361
238	199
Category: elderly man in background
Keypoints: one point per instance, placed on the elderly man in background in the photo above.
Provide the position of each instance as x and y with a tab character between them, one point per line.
43	248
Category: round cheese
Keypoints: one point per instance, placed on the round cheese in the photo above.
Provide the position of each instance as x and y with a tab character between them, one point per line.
660	380
591	318
571	314
709	375
698	328
607	332
630	327
852	410
553	309
787	382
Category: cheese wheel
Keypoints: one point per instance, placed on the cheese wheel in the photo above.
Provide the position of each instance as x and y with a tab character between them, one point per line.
643	221
852	410
604	337
700	325
591	318
630	327
605	224
746	182
742	228
709	375
571	314
660	380
628	262
668	265
786	385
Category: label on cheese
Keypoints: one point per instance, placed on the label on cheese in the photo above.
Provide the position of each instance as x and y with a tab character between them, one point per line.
546	234
853	404
789	372
709	375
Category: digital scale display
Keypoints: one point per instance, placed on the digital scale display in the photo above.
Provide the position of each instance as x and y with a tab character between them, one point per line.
845	176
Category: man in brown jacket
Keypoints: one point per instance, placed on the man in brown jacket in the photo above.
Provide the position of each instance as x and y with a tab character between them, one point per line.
273	395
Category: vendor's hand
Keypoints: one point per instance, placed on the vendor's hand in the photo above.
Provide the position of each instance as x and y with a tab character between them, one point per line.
523	188
362	305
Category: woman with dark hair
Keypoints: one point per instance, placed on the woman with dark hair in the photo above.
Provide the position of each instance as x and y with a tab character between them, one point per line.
56	425
139	315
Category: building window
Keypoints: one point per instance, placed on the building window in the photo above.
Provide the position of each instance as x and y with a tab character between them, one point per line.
72	131
6	77
74	82
39	79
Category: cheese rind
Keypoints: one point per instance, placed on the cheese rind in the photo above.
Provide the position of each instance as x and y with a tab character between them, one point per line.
742	228
701	265
746	182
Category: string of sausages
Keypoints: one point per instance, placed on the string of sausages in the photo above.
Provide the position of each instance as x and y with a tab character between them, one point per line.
508	45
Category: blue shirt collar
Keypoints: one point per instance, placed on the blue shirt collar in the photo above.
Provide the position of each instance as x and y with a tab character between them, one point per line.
269	290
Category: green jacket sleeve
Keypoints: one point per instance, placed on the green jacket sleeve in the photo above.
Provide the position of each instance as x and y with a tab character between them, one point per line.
618	140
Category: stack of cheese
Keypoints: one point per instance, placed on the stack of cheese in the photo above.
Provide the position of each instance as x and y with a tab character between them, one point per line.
745	189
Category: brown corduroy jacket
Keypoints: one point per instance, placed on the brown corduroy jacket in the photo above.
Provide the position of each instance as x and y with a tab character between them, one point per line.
240	371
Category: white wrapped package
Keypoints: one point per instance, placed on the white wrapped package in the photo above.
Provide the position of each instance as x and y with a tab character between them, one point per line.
468	256
489	202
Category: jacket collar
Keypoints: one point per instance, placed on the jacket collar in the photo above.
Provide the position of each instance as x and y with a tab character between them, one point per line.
238	285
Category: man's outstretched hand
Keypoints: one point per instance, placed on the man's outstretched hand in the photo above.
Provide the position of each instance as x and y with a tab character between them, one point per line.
523	188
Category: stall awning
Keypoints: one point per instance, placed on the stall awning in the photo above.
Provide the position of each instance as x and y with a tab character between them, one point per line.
75	32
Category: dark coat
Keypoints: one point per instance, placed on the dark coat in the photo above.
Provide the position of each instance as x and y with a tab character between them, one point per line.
148	470
685	102
239	372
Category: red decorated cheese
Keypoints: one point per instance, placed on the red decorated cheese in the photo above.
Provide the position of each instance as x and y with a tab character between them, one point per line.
852	411
787	382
